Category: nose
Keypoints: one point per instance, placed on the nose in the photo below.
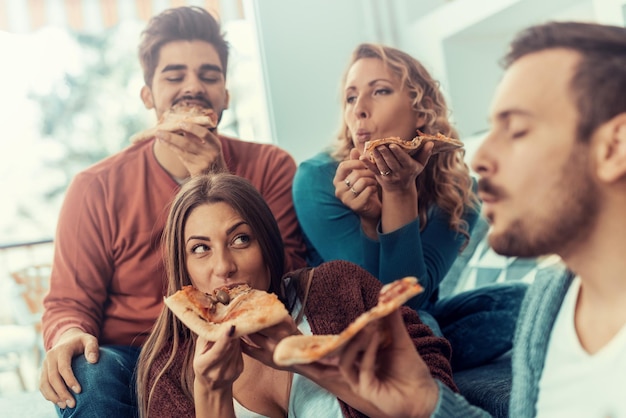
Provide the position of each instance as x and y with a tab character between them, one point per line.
482	163
193	85
224	265
361	108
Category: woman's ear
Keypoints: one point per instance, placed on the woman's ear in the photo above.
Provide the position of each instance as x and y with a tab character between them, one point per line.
146	97
611	155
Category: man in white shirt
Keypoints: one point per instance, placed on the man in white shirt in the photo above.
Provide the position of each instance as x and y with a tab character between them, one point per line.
553	181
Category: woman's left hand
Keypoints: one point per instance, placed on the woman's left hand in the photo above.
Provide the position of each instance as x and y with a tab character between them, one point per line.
394	168
261	345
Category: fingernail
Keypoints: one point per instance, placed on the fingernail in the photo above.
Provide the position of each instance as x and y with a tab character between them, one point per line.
76	388
91	357
69	403
61	405
231	332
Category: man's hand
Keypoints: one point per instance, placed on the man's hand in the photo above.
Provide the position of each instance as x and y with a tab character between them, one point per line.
197	147
56	372
379	379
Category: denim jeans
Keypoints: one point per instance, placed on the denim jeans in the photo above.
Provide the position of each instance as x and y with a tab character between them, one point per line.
108	386
479	323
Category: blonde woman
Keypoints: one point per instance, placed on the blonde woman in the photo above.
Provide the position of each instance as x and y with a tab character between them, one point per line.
400	215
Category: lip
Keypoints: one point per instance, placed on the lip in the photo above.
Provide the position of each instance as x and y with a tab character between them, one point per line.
362	135
193	102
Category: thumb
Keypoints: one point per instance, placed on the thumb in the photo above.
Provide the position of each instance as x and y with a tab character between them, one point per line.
426	153
354	154
92	350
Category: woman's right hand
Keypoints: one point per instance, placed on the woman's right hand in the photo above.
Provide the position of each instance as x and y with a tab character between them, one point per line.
216	366
357	188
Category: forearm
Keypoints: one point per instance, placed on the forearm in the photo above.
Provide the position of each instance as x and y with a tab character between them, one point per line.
211	403
398	209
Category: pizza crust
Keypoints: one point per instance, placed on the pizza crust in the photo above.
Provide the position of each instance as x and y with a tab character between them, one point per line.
249	310
304	349
171	119
442	143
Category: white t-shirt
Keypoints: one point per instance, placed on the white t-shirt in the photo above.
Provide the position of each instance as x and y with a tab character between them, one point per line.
306	399
575	383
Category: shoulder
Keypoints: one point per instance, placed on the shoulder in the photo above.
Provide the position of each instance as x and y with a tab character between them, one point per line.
346	283
116	166
311	170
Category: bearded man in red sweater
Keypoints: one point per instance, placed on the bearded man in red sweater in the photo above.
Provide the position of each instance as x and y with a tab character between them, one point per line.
107	282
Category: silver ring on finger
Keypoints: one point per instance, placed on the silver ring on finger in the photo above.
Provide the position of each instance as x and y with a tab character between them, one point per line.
385	173
347	182
354	192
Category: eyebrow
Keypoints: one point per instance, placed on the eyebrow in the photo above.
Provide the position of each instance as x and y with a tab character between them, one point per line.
505	114
203	67
228	232
371	83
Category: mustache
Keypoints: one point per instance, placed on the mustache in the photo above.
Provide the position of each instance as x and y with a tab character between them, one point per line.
486	187
198	98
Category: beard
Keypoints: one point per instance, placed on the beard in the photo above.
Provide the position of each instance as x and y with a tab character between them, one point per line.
566	218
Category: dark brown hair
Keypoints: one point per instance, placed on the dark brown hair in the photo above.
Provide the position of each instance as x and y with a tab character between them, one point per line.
599	82
179	24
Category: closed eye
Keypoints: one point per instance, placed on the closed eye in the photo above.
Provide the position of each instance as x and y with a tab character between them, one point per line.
383	91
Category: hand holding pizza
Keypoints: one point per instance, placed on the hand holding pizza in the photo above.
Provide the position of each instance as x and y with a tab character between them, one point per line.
189	131
395	169
197	147
391	376
357	188
216	366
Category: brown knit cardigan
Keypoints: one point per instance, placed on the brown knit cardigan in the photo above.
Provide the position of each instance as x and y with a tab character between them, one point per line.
339	292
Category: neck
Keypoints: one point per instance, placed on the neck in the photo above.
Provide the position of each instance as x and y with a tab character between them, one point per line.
600	262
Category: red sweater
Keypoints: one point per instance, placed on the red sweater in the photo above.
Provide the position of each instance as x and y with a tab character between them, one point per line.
340	292
108	276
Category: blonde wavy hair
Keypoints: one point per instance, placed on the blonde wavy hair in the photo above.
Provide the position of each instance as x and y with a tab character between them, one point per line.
445	181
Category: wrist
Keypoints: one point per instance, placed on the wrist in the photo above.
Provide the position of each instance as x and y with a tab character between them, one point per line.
215	401
428	402
370	228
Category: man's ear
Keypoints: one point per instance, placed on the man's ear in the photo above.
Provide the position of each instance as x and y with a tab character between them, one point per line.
611	152
146	97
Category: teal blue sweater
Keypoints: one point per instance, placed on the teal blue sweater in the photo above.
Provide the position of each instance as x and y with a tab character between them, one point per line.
333	232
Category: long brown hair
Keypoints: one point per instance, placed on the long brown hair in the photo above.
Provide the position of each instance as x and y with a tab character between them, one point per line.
168	330
445	181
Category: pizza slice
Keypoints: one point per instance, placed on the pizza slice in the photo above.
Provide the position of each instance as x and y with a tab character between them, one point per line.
442	143
211	315
171	119
304	349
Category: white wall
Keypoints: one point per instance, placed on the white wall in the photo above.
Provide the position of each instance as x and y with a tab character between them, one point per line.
306	44
305	47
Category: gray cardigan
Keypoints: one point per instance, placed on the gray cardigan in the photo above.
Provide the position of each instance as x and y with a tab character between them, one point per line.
536	319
